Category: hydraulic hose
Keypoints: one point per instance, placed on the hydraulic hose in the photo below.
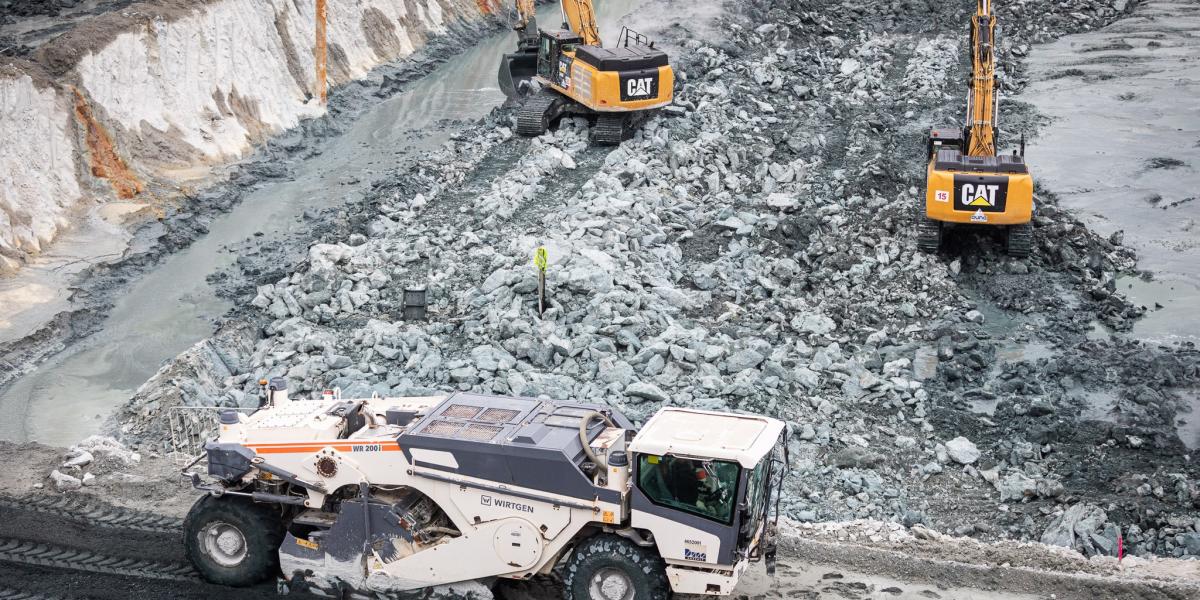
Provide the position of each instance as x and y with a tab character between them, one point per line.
583	438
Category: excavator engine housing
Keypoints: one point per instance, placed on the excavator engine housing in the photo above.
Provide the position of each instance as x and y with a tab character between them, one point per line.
989	190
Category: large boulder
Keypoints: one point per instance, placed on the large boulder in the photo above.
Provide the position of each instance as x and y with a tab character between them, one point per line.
1083	527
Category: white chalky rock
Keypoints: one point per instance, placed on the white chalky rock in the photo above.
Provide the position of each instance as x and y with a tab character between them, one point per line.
64	482
79	458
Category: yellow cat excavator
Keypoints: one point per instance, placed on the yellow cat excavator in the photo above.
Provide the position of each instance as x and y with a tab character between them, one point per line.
968	183
616	87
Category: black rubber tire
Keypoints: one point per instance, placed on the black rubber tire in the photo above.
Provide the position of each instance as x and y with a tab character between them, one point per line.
643	567
260	526
1018	240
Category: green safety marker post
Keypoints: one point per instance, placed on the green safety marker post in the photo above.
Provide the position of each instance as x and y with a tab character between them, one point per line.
539	259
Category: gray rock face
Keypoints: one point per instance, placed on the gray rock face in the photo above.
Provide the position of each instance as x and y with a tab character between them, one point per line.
814	323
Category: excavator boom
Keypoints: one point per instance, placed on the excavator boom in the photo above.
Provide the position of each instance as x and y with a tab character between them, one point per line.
982	101
527	12
580	16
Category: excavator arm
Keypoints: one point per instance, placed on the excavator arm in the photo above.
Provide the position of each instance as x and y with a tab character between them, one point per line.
526	27
526	11
580	17
982	99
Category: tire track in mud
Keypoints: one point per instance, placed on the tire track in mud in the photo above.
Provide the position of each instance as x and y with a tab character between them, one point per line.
51	550
61	557
11	594
93	512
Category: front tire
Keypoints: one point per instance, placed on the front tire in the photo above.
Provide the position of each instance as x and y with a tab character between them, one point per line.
608	567
233	541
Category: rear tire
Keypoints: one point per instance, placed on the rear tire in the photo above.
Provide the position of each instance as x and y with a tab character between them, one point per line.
608	567
233	541
1018	240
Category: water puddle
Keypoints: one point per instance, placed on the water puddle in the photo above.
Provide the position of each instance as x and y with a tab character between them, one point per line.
1008	354
37	292
1171	308
1098	405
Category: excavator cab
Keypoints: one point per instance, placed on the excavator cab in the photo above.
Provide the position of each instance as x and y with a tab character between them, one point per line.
541	58
553	64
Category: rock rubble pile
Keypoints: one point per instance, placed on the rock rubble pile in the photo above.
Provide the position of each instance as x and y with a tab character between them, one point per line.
753	249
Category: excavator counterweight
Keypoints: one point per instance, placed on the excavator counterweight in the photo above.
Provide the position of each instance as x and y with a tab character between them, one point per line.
968	183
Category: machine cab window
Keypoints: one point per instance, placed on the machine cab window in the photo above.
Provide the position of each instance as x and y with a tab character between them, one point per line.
703	487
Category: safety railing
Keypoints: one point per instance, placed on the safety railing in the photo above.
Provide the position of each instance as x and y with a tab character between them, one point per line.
629	36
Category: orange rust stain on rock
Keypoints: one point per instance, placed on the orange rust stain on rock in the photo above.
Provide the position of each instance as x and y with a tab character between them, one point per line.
105	161
485	6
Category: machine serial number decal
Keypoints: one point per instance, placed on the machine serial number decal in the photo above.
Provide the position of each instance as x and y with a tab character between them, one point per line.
694	550
306	544
498	503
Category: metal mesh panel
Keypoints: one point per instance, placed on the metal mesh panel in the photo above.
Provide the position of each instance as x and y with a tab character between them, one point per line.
498	415
478	432
444	428
461	411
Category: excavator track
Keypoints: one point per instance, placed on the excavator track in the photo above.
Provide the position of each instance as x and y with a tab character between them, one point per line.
1019	240
929	233
539	111
610	129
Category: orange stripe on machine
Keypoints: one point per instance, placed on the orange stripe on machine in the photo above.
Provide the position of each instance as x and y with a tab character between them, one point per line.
311	447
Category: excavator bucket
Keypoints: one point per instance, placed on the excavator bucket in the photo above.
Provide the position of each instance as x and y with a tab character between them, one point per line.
516	70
